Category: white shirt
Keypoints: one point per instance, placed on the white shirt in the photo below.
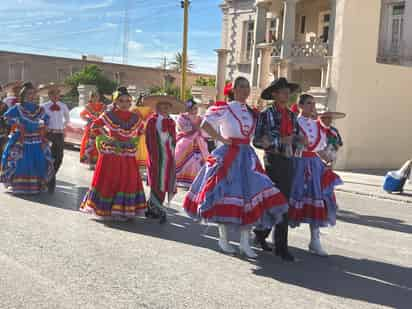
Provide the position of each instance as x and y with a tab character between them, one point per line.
58	119
233	120
312	131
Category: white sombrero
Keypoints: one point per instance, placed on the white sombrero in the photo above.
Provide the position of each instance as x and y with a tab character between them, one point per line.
333	115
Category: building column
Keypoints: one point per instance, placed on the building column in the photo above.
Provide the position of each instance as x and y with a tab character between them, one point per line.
221	73
259	37
406	47
225	26
289	25
331	35
265	61
84	91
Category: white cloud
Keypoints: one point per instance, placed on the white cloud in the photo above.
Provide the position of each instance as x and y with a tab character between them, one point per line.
135	46
99	5
138	30
110	25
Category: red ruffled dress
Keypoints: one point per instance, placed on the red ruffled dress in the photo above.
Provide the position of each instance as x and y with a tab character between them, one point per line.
88	151
116	190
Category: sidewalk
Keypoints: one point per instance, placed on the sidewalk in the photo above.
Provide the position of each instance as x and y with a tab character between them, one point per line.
366	184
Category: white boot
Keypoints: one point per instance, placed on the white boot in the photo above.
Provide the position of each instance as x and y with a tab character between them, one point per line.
245	248
314	246
224	244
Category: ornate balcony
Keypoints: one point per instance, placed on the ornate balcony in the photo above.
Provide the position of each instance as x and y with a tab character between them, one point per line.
312	53
314	48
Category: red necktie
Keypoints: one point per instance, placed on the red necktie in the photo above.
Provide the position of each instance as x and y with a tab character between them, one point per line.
167	125
55	107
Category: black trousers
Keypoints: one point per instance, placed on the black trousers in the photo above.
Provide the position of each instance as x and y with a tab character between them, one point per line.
211	145
57	148
280	171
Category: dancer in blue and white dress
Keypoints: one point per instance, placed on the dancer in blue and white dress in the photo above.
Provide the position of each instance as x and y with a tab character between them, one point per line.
232	187
27	164
312	199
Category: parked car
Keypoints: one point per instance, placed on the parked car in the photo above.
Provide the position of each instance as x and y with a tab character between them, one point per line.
74	130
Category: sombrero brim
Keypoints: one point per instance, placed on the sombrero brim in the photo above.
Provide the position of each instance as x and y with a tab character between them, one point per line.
44	90
333	115
267	93
15	84
177	106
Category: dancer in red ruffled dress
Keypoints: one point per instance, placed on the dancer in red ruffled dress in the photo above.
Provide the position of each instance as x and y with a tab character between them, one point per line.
116	191
92	111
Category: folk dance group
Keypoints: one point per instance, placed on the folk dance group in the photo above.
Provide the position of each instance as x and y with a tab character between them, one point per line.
211	157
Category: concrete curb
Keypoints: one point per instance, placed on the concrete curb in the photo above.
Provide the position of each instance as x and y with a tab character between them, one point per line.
381	196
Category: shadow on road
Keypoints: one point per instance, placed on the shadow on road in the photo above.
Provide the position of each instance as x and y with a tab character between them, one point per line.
67	196
359	279
374	221
178	228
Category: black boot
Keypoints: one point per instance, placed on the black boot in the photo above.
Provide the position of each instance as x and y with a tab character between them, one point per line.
285	255
281	242
52	185
163	217
260	237
151	212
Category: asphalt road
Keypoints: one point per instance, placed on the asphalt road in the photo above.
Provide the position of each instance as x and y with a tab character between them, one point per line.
52	256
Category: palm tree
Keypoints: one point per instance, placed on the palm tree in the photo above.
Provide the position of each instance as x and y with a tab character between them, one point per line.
177	64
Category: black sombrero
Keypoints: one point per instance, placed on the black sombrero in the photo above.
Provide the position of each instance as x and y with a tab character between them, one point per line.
277	84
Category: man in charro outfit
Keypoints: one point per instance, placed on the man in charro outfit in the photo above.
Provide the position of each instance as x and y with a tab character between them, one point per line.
277	134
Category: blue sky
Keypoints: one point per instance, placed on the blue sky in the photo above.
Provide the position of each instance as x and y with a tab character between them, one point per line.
70	28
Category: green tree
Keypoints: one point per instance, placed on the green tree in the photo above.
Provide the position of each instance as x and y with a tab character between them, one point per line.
172	90
91	75
209	82
177	64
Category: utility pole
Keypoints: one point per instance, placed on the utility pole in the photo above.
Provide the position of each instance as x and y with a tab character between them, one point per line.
126	33
185	5
164	72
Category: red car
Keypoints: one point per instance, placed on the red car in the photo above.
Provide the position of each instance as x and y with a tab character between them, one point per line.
73	133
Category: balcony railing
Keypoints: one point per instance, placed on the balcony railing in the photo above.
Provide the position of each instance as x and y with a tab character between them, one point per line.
277	49
315	48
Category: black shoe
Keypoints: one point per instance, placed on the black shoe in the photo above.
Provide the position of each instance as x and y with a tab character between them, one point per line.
163	218
52	185
285	255
261	240
150	213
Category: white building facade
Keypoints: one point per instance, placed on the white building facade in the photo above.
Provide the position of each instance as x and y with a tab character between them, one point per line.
353	56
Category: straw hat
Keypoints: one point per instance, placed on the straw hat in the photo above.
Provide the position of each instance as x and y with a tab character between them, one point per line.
14	86
333	115
152	101
47	89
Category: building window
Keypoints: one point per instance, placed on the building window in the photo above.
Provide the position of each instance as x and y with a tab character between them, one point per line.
396	28
324	26
391	31
272	30
16	71
303	24
248	40
62	74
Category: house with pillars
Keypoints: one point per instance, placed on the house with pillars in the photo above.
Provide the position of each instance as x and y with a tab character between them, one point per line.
353	56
